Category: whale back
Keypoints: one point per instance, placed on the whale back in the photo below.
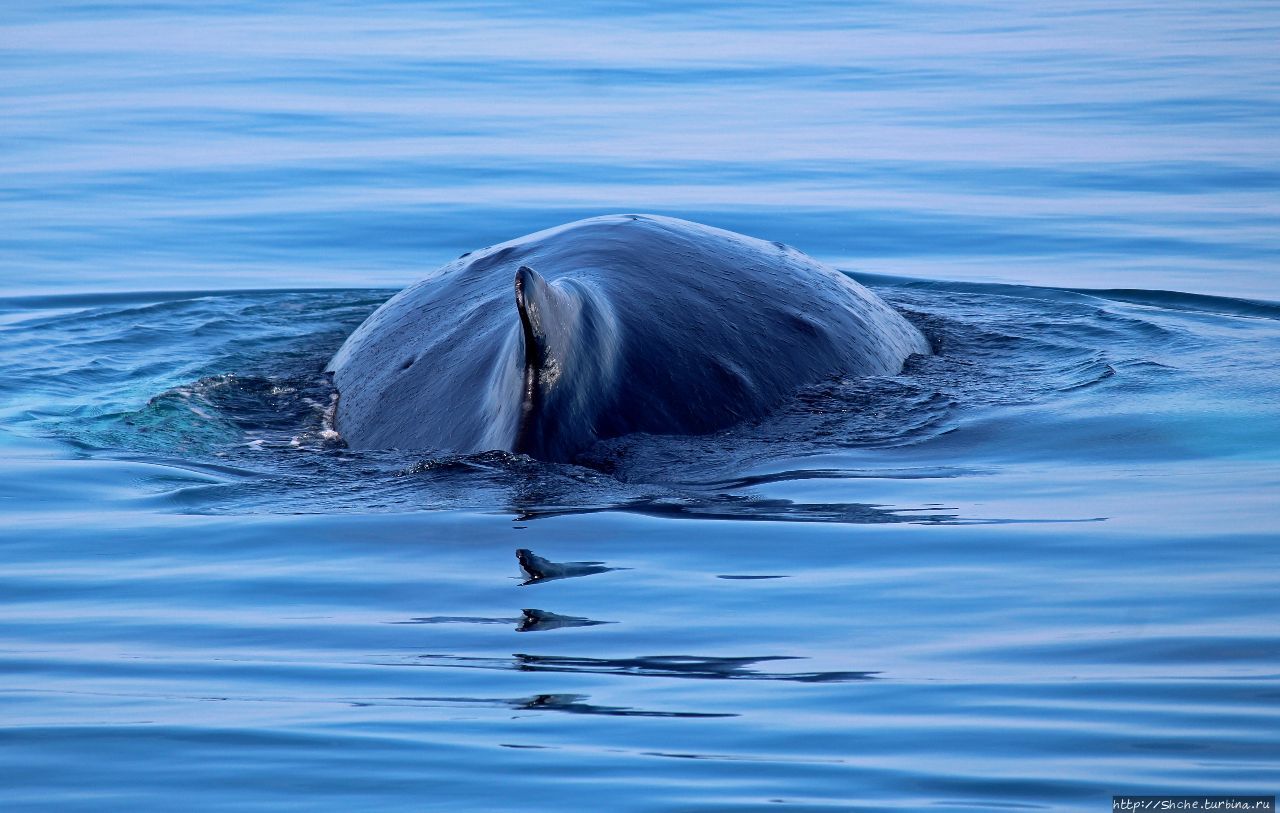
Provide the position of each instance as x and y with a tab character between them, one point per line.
648	324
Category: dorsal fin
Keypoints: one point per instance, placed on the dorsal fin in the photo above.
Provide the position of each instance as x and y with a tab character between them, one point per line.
546	314
570	354
535	302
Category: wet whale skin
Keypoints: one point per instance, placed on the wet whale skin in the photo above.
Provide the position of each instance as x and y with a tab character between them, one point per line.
624	323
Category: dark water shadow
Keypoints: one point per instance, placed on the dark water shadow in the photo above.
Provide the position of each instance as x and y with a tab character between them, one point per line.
738	507
572	704
530	620
793	475
564	703
673	666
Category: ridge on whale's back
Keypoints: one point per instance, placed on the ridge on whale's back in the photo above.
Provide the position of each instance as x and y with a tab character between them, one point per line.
605	327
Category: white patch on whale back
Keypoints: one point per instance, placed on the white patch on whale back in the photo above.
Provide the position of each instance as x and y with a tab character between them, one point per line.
503	397
599	347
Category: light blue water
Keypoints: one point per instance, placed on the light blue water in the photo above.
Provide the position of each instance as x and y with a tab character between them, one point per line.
1036	569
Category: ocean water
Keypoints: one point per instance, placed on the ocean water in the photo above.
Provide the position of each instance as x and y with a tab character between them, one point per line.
1035	569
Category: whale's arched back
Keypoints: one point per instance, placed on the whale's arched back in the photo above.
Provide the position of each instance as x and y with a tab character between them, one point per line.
618	324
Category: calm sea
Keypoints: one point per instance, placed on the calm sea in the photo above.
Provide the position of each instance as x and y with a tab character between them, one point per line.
1036	569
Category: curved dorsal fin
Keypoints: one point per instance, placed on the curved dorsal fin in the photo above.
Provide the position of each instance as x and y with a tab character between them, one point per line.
570	354
546	316
536	302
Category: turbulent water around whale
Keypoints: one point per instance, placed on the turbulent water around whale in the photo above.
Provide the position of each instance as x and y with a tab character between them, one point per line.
235	394
1031	570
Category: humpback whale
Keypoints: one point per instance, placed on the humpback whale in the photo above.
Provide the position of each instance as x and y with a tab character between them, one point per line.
548	343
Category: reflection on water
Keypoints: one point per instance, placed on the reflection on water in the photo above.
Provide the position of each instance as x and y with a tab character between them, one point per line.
738	507
666	666
567	703
529	621
537	569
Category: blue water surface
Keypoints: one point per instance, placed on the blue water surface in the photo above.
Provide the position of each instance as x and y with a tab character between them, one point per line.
1036	569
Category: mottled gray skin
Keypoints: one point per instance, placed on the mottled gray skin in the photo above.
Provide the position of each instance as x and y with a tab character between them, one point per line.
600	328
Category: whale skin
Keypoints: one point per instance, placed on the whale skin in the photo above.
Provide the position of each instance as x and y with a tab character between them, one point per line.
548	343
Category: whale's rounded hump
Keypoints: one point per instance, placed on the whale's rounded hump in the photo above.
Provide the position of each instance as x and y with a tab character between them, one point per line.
618	324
